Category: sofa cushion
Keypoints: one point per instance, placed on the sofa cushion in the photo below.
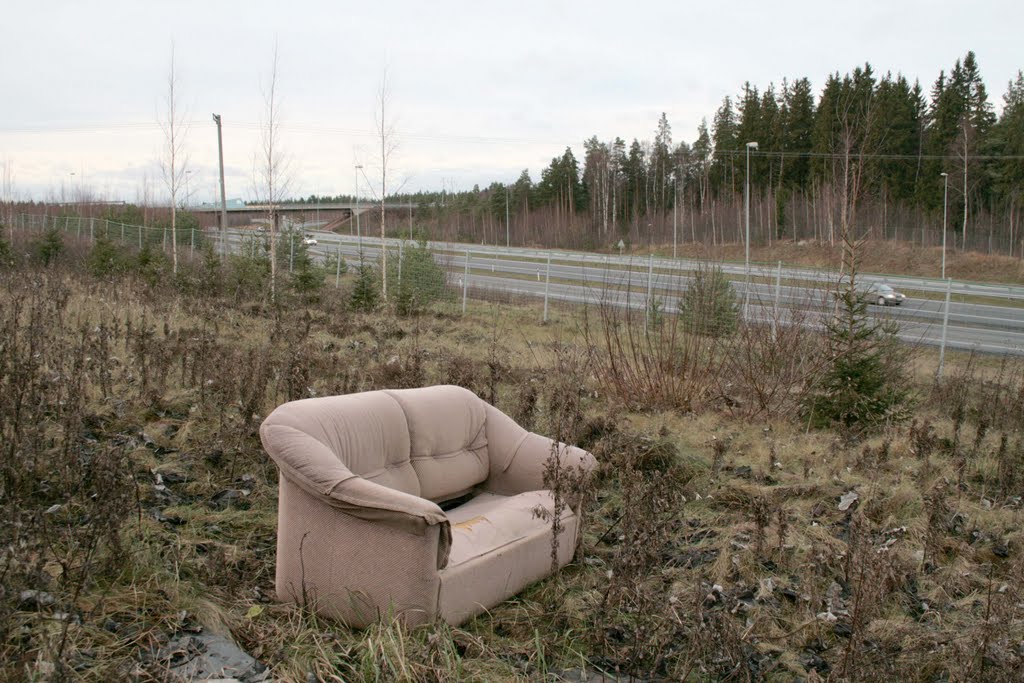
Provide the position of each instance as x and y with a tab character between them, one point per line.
367	432
447	439
499	546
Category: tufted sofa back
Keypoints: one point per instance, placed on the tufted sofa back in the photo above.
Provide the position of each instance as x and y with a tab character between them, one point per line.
447	439
428	442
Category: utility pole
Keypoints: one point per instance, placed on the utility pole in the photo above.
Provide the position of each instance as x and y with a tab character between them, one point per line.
223	194
508	243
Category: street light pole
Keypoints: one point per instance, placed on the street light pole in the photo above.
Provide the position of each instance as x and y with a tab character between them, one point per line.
945	194
746	283
746	203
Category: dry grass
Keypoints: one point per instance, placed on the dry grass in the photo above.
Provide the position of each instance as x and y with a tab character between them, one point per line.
715	546
889	257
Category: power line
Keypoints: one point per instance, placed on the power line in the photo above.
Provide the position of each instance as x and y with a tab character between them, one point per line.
255	126
477	139
852	155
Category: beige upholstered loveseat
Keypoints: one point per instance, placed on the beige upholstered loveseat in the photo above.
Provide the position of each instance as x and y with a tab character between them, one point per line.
360	533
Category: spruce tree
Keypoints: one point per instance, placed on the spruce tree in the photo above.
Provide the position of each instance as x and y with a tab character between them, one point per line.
661	164
1007	140
701	154
724	135
708	306
798	132
864	386
366	291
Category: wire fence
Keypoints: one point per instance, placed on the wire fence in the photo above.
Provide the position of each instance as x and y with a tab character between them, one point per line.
91	228
448	277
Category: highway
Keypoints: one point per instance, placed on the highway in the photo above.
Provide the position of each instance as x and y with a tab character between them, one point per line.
591	278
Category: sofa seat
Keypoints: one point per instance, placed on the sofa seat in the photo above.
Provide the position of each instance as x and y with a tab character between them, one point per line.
499	546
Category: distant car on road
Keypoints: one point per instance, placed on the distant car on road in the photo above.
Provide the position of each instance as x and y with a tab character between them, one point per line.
309	241
883	295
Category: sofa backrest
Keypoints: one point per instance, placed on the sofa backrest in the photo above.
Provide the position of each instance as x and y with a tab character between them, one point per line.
367	432
448	441
428	442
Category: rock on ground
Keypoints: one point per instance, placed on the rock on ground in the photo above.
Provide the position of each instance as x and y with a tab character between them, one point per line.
210	657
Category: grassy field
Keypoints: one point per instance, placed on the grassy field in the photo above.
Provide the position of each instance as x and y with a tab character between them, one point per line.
724	538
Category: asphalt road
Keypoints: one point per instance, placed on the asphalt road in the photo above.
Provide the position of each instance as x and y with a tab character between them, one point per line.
591	278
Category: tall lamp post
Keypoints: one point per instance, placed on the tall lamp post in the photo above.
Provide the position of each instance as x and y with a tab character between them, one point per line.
945	194
746	202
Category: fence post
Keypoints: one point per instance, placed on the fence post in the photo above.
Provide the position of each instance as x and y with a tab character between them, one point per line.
337	269
291	251
945	324
465	283
192	244
778	293
650	282
547	283
400	243
92	225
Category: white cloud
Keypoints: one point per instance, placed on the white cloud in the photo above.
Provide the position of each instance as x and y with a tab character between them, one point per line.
482	91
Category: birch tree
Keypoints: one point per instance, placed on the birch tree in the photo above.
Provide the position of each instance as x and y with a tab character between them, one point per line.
272	177
175	159
388	145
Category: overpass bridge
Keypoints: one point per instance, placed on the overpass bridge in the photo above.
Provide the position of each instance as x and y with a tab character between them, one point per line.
324	216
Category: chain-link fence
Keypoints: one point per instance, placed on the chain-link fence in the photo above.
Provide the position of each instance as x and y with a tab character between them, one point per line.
447	277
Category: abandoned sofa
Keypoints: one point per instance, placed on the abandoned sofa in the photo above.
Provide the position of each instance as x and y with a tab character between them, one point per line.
361	535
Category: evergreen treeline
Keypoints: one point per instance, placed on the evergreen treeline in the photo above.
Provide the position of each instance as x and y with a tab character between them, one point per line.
868	151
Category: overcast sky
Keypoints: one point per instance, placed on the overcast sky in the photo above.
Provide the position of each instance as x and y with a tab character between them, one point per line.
479	90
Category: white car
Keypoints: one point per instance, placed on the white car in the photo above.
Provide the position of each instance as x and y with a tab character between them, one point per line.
309	241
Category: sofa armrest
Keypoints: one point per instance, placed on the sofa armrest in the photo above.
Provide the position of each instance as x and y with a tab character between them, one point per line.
353	569
525	471
518	457
314	468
